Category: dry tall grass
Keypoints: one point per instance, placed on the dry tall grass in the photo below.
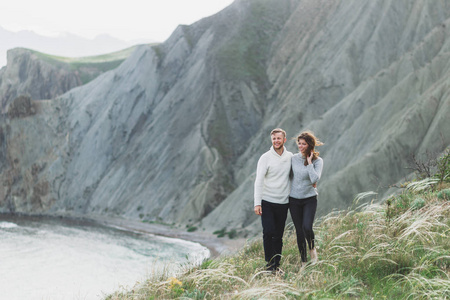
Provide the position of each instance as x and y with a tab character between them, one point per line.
397	250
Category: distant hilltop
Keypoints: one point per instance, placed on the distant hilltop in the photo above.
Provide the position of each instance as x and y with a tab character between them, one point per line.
173	133
68	45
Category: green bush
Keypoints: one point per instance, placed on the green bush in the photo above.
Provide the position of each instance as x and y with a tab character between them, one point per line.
232	234
418	203
220	233
444	194
443	166
195	294
223	232
192	228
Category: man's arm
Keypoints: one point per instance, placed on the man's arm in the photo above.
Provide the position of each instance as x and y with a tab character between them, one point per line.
261	171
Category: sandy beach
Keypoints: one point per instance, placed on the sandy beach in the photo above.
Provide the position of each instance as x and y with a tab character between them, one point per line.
217	246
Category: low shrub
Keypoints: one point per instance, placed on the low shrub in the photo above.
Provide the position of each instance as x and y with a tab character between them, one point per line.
444	194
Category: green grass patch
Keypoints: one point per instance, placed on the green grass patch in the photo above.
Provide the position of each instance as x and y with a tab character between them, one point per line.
95	59
89	67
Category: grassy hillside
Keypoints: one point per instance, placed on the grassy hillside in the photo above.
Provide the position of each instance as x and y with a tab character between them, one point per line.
396	250
88	67
114	56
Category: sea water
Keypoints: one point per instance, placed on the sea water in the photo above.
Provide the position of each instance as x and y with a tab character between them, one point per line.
43	258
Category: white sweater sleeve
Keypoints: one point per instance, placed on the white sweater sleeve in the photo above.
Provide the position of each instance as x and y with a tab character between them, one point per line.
261	171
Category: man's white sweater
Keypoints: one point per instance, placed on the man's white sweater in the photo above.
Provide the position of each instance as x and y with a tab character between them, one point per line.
272	177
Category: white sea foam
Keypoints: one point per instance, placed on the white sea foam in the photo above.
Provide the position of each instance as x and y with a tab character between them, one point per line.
7	225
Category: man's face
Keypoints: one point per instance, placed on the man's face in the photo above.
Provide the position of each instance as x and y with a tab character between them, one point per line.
278	140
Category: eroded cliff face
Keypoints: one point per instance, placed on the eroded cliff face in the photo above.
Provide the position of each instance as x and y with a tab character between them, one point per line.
174	133
33	153
42	76
28	74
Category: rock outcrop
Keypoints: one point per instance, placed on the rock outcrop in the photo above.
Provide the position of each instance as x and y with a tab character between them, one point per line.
28	74
174	133
21	107
42	76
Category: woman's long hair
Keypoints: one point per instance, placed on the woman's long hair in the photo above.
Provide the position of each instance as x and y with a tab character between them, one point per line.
312	142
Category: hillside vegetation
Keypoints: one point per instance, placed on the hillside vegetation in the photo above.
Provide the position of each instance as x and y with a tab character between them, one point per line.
88	67
114	56
395	250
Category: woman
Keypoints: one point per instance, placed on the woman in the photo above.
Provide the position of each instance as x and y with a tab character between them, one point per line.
307	168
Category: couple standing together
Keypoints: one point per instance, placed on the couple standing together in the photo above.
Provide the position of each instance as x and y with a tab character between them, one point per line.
276	192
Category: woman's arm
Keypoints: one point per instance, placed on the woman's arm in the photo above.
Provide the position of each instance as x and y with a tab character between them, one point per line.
315	170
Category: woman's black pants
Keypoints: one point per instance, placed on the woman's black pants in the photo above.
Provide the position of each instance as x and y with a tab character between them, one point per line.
273	221
302	213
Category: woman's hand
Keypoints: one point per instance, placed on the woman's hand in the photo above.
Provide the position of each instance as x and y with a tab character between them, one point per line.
310	157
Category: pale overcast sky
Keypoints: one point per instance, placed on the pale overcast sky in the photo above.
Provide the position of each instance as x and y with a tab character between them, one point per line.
126	20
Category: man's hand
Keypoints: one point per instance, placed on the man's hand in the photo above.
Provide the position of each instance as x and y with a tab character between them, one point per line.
315	185
258	210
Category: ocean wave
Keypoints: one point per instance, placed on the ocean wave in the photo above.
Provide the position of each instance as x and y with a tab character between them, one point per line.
7	225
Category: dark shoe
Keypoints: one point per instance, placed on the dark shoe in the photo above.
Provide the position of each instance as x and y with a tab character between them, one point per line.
278	271
271	268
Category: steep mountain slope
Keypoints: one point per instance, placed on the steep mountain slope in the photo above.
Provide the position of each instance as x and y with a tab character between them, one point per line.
370	79
174	133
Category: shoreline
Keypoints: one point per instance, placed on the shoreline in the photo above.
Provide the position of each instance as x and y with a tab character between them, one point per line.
216	246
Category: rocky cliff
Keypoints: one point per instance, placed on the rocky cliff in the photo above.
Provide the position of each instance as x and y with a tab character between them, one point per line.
42	76
174	133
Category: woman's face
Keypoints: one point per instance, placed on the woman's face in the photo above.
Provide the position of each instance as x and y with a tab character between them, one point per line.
302	146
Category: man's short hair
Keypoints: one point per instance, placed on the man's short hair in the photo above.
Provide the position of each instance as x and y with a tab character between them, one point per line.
278	130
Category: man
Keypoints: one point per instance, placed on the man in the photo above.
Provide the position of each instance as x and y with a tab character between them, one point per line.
272	187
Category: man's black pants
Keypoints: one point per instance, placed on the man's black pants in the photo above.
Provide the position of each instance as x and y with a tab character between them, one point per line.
302	213
273	221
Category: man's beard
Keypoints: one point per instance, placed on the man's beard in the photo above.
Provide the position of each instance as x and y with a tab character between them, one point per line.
278	148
